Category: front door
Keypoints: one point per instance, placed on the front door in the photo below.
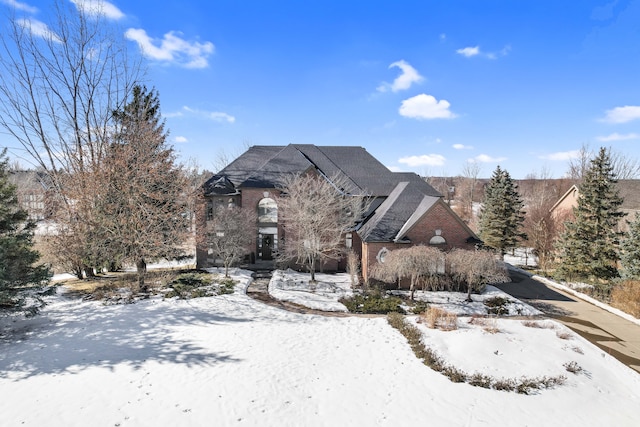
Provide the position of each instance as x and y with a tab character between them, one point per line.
267	247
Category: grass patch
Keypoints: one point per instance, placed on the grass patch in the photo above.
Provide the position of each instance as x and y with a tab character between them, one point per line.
439	318
122	288
626	297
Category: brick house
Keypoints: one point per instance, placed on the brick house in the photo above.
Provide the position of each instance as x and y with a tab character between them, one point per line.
629	190
405	209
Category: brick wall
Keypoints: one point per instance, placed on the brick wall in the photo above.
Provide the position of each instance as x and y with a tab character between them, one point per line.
452	230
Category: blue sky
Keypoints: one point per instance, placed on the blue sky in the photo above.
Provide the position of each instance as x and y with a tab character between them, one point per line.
424	86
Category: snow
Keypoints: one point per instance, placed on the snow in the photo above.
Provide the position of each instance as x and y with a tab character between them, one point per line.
294	287
232	360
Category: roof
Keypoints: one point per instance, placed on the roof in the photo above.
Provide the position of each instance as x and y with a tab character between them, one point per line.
629	192
265	166
399	199
410	199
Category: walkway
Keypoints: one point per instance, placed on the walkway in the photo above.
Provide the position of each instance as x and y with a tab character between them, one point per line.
613	334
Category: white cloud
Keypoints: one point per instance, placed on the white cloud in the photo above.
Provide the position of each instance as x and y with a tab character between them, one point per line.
484	158
425	107
210	115
20	6
423	160
172	48
180	139
618	137
622	114
469	51
462	147
404	81
38	29
99	8
475	51
562	155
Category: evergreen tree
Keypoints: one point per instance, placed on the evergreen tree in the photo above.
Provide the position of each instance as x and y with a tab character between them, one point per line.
589	246
501	216
630	256
143	209
21	281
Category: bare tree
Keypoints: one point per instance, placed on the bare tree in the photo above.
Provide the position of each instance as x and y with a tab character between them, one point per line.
475	269
230	233
420	264
466	193
59	84
317	211
540	225
624	166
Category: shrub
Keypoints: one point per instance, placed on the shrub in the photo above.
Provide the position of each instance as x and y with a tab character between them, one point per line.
626	297
374	302
572	367
439	318
431	359
420	307
497	305
563	335
198	285
491	326
480	380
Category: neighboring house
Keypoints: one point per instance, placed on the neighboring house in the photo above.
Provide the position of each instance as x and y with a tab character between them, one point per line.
629	190
405	210
32	190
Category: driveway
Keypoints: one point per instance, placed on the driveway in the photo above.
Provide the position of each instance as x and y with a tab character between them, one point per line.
613	334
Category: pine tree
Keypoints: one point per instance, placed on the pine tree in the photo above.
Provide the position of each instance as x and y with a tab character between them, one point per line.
589	246
502	213
143	210
21	281
630	256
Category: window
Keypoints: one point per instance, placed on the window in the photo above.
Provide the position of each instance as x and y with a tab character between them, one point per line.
382	254
209	210
349	240
267	211
437	239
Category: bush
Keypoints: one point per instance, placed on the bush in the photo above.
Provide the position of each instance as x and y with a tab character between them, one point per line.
419	307
439	318
373	302
626	297
573	367
431	359
497	305
198	285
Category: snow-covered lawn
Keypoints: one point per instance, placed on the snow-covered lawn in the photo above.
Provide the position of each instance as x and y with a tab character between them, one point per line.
324	295
231	360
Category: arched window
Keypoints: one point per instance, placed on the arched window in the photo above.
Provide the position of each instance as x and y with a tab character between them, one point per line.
437	239
267	211
382	254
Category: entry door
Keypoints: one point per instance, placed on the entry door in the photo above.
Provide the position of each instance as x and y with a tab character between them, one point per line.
267	247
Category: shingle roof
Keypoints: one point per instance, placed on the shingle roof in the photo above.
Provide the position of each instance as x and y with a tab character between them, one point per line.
411	198
400	199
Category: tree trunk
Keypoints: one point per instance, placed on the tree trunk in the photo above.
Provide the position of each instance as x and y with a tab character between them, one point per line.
312	269
141	268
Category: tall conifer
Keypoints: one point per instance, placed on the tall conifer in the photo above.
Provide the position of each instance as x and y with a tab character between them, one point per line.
502	213
20	278
630	256
589	246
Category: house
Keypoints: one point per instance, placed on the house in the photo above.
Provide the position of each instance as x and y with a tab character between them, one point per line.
32	190
405	210
629	190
